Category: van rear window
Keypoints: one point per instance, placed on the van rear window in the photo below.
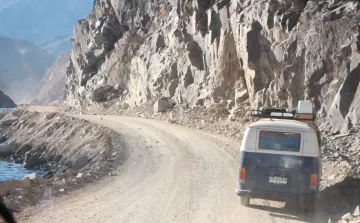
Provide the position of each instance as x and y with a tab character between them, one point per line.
282	141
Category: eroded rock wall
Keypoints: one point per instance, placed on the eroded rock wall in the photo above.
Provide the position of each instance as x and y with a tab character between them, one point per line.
235	54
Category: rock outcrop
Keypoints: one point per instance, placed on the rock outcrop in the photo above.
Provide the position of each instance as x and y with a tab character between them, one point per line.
70	152
229	54
50	90
7	148
8	120
163	104
5	101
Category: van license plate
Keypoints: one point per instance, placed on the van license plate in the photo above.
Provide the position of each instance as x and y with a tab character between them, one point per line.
277	180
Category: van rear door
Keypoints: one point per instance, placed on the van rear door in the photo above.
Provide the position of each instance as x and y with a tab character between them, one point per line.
278	161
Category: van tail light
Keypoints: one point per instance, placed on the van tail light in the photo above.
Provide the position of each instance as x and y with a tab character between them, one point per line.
242	175
313	181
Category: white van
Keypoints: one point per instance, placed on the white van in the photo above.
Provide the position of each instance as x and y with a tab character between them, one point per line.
280	159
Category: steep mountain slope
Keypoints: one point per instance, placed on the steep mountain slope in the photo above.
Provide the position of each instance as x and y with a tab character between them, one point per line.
22	65
5	101
234	54
57	45
50	90
41	21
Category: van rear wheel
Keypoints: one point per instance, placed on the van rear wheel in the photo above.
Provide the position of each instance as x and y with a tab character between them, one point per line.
245	201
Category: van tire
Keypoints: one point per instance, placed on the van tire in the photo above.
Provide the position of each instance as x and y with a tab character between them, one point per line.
245	201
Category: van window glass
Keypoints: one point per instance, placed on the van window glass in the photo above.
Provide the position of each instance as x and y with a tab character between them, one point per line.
282	141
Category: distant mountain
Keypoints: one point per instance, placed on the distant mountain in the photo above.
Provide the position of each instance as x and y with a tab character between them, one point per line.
22	66
39	21
51	88
5	101
58	45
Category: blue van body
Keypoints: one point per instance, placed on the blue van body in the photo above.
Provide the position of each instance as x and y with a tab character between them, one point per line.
279	158
259	167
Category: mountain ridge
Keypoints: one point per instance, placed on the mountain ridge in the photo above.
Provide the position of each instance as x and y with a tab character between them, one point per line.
50	90
22	65
58	45
6	101
31	25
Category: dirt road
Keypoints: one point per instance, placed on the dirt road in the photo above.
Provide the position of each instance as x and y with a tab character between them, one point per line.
173	174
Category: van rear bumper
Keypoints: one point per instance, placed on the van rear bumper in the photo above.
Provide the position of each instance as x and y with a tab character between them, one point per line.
276	196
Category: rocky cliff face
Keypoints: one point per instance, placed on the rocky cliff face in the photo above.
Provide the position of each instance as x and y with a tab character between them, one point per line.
5	101
50	90
231	54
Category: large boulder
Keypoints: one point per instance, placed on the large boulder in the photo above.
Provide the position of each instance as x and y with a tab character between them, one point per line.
163	104
34	158
33	162
102	93
80	162
7	148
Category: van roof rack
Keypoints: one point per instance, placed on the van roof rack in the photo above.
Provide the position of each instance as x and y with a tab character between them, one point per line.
282	113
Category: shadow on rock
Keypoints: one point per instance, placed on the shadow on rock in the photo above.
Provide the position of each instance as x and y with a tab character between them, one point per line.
341	197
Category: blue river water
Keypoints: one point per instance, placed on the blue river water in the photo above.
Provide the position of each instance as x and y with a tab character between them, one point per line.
1	109
13	171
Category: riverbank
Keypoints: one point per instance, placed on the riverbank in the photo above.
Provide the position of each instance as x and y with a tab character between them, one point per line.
72	152
15	171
